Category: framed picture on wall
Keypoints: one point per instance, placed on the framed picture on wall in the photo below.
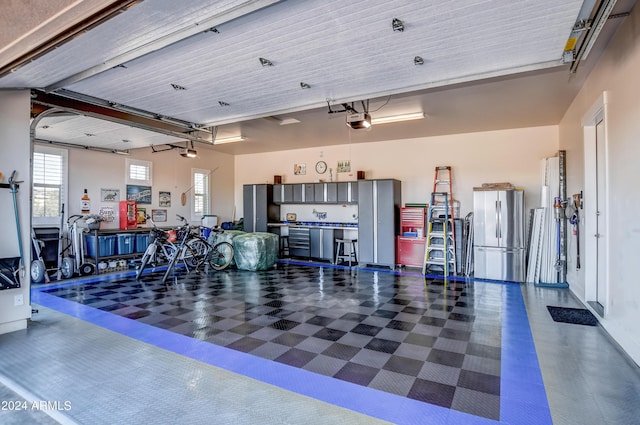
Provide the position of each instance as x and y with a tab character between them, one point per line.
142	215
140	194
159	216
110	195
299	169
164	200
344	166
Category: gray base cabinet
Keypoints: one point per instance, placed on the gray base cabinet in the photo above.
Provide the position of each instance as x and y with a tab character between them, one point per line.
323	243
379	203
299	245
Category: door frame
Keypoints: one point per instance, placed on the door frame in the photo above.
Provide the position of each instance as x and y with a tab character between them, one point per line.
597	113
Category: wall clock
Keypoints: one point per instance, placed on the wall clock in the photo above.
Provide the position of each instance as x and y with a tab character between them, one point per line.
321	167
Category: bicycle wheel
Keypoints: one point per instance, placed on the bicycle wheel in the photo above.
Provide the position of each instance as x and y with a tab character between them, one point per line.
148	253
221	255
195	253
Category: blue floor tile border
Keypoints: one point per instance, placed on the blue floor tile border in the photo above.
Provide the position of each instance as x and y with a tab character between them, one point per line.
523	398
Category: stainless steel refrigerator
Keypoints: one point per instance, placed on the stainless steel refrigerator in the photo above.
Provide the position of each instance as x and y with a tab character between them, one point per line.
498	232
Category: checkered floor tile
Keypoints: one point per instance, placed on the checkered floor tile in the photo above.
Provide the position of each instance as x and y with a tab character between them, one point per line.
421	339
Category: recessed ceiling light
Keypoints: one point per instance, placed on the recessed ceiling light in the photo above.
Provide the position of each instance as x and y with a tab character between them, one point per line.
397	25
265	62
287	121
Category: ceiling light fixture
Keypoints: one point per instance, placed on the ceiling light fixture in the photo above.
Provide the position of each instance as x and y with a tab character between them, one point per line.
304	85
397	25
287	121
418	60
232	139
398	118
265	62
221	103
178	87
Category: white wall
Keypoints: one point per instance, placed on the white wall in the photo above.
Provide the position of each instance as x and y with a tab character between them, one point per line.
15	154
476	158
171	172
617	74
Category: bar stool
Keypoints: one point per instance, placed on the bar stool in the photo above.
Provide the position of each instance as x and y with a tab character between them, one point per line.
284	246
340	250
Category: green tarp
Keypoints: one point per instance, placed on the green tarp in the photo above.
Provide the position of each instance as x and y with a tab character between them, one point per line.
255	251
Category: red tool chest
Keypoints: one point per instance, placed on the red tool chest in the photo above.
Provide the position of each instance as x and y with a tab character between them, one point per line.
411	241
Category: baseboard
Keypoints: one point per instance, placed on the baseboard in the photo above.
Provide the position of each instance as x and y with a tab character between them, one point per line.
13	326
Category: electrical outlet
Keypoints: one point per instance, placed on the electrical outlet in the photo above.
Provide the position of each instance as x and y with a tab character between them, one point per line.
18	300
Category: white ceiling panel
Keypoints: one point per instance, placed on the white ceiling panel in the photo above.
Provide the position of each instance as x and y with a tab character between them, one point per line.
139	26
343	53
346	51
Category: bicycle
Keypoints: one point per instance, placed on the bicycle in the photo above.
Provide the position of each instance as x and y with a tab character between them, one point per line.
181	244
164	246
218	255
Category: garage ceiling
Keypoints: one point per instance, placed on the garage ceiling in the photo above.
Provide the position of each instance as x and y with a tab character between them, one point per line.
246	67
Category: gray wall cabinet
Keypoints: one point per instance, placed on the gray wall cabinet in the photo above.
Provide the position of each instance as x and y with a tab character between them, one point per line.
316	193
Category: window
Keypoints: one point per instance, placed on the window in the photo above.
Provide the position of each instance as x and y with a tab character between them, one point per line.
49	184
200	204
139	172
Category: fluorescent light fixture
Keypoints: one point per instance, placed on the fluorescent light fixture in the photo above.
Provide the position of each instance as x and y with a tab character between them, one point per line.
398	118
232	139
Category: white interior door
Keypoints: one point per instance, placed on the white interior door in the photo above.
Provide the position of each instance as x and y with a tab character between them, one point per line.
596	201
600	213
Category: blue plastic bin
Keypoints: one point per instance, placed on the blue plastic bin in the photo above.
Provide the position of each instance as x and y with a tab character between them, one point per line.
106	245
142	241
125	245
205	232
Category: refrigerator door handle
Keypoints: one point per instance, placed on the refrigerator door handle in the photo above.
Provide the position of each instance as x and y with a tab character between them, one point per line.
500	219
497	220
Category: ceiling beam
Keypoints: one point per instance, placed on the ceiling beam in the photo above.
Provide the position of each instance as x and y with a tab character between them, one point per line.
42	101
69	34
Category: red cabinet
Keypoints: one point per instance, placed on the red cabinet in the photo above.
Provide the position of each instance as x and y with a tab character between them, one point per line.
411	241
